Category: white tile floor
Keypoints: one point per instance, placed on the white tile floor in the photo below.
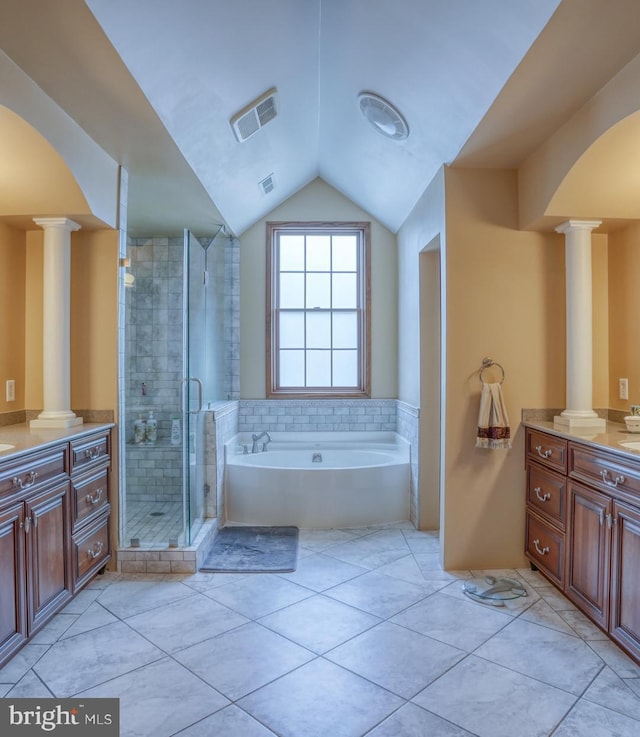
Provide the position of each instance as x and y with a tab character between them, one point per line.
367	637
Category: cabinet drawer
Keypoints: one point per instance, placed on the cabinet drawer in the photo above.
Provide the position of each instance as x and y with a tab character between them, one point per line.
547	449
545	547
90	495
32	471
90	550
546	493
90	451
605	471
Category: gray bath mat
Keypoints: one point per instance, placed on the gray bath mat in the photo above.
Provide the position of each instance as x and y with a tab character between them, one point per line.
253	550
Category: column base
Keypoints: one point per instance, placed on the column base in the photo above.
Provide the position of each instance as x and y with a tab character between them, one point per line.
580	423
56	419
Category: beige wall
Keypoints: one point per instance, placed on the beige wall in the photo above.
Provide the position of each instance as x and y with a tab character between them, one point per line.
624	310
33	320
12	302
94	320
505	299
553	183
430	385
40	181
94	171
600	312
425	227
318	201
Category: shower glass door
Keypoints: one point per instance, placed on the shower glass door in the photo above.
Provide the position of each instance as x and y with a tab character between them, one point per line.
195	384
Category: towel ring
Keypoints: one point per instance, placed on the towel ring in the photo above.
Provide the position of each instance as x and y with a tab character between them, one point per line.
486	363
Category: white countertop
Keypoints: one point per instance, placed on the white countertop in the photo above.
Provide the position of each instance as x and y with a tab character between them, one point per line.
610	439
25	439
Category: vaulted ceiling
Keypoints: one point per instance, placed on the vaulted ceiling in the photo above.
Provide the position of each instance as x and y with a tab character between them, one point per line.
441	64
156	82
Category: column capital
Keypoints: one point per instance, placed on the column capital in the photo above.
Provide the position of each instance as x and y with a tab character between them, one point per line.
571	225
60	223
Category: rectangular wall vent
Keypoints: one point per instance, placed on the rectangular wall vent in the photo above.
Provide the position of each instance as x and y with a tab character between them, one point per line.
268	184
255	116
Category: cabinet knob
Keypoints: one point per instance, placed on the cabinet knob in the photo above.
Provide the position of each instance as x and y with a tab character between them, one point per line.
541	551
92	453
544	454
542	497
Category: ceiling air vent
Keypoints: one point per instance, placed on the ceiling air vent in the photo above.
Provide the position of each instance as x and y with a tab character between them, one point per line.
383	116
268	184
255	116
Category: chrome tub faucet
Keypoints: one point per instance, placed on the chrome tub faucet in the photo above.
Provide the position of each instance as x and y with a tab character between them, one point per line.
255	438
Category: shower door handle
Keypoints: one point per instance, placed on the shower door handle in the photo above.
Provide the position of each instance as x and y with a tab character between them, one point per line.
185	404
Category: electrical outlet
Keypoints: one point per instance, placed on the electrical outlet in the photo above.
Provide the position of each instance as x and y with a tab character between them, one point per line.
10	390
623	386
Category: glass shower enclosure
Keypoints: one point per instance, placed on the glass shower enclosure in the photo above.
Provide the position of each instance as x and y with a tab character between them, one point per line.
174	368
204	370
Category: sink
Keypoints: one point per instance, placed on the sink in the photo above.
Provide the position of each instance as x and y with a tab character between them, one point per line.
631	445
6	446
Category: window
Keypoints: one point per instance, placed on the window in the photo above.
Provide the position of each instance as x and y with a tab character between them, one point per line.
318	309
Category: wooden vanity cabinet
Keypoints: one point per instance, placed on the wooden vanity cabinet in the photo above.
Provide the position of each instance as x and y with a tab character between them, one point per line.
48	539
624	608
588	551
48	509
545	519
594	529
13	580
91	481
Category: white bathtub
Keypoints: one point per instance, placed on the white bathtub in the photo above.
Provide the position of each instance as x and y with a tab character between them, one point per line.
362	479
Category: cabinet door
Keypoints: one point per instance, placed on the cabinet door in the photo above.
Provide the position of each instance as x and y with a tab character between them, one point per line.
588	548
625	583
47	523
13	603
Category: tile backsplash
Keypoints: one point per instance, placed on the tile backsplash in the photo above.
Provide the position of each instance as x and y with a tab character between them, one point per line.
310	415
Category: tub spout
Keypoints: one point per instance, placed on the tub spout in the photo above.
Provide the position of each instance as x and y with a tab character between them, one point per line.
255	437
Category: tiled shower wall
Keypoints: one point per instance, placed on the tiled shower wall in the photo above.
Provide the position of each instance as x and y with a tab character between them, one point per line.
153	365
154	355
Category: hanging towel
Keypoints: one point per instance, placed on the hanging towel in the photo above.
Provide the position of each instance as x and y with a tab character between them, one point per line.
493	422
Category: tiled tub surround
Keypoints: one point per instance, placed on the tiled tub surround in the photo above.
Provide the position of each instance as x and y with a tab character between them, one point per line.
337	415
408	427
369	636
325	415
224	419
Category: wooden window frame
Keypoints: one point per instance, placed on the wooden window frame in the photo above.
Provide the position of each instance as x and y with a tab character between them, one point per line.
363	390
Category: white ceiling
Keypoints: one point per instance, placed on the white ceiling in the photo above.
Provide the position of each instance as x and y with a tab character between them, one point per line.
442	64
156	82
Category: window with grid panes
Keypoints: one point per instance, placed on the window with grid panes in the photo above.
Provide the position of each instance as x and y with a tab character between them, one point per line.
318	309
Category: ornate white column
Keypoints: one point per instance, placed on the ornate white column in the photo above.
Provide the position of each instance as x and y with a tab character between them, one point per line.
579	413
56	369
